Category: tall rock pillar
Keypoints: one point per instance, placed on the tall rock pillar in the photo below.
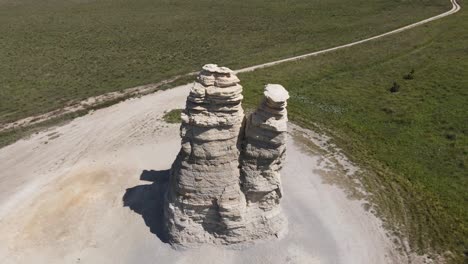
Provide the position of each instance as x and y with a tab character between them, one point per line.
204	203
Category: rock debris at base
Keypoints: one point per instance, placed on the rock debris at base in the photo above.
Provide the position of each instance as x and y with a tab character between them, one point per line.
225	185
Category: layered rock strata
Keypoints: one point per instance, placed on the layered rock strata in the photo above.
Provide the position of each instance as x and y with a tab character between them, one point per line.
215	194
204	200
262	156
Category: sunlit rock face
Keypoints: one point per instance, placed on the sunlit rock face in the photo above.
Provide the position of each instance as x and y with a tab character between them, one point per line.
261	159
225	186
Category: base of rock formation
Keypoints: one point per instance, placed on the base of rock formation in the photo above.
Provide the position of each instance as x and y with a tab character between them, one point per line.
225	185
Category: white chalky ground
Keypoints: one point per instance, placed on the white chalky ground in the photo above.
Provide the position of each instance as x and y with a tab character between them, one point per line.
62	198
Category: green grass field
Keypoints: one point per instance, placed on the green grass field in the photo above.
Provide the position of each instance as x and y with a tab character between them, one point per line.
53	52
413	143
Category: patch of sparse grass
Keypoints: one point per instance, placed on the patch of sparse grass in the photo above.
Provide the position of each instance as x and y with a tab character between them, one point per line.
53	52
173	116
179	81
413	143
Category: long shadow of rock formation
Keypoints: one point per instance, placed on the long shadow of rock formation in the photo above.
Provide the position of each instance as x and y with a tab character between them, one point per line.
148	200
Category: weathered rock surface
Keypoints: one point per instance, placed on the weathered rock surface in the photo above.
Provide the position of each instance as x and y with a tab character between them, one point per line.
225	186
204	200
263	152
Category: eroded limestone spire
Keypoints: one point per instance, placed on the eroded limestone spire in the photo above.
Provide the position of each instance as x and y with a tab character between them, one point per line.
225	186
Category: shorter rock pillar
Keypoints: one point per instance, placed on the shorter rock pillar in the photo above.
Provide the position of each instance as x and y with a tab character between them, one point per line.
262	157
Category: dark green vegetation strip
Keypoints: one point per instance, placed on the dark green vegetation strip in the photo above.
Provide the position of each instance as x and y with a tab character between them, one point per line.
53	52
413	140
10	136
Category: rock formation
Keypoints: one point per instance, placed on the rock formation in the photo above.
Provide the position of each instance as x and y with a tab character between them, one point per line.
225	186
263	152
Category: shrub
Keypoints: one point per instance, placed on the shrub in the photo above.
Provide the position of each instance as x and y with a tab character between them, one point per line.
409	76
395	87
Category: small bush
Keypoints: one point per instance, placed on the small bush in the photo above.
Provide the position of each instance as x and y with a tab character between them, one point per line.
395	87
388	110
451	136
409	76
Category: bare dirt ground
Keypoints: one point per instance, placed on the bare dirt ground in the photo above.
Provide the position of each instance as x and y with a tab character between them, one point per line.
89	192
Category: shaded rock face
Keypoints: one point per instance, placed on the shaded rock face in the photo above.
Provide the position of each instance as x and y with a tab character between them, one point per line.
225	185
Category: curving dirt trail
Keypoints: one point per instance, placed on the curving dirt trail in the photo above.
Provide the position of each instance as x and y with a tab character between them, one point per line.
455	8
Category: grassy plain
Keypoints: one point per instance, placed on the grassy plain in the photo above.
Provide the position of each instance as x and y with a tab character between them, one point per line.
413	143
56	52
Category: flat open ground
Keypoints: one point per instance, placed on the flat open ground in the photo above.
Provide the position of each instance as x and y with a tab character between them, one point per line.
86	192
